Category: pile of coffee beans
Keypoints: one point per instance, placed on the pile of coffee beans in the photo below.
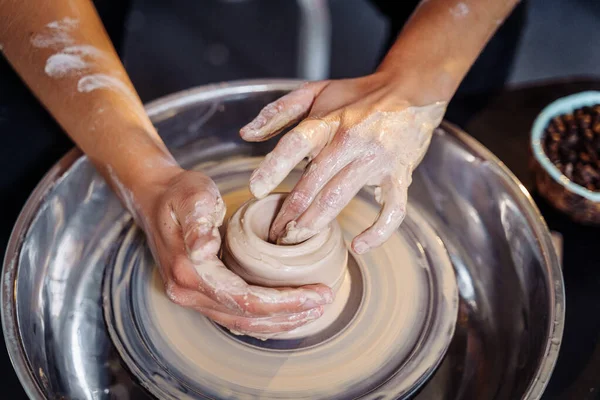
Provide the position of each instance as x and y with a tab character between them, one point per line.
572	143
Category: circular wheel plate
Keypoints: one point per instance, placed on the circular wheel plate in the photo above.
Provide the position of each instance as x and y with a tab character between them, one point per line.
390	338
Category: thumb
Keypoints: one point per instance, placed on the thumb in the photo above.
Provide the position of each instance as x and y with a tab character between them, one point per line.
200	219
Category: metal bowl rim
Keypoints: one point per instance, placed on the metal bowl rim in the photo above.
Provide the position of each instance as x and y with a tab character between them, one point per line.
202	93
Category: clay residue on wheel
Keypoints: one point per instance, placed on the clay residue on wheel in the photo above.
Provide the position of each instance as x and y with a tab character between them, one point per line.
375	348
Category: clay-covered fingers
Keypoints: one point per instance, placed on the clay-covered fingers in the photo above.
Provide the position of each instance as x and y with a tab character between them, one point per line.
280	301
329	202
305	140
282	113
251	325
392	195
265	327
200	215
331	160
226	288
193	299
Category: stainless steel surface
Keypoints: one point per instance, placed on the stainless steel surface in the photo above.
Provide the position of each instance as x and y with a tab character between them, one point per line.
206	361
512	298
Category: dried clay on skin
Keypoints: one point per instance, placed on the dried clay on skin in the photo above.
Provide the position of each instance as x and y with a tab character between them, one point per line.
93	82
55	34
382	150
460	10
76	59
72	60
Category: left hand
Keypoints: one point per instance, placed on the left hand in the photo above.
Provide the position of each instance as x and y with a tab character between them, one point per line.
181	215
356	132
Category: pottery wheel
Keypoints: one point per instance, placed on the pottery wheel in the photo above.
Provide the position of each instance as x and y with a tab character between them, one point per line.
388	340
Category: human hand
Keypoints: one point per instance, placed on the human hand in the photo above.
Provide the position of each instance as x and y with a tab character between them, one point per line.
356	132
181	218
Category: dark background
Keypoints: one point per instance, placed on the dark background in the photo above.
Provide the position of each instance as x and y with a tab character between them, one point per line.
174	45
257	38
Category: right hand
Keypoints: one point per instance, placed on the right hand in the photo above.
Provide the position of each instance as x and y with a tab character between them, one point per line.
181	218
372	130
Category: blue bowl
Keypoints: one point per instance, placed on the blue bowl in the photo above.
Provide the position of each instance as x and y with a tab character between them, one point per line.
579	202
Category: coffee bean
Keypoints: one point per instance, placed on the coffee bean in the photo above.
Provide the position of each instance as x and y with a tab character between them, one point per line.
589	174
572	139
573	127
591	151
555	136
584	157
569	171
585	121
572	143
560	126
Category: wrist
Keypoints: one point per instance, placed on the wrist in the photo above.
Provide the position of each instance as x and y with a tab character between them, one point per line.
140	188
152	183
421	85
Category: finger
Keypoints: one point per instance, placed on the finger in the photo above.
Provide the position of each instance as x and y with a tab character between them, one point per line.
278	301
306	139
325	166
393	196
197	300
192	298
282	113
330	201
228	289
263	327
211	279
200	217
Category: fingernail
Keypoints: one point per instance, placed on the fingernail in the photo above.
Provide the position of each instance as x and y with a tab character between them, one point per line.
202	246
360	247
328	297
257	123
294	234
258	187
310	304
314	313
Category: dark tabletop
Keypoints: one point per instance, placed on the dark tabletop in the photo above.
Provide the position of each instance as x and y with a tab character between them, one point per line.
502	123
503	126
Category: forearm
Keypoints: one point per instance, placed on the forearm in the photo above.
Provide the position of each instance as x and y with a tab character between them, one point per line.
440	43
62	52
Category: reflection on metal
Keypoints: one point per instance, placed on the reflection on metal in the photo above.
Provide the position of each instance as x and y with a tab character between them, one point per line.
557	239
401	356
314	40
511	311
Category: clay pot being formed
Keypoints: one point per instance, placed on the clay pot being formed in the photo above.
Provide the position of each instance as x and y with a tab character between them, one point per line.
321	259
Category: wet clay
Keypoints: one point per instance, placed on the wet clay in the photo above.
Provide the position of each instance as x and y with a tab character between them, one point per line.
407	301
320	259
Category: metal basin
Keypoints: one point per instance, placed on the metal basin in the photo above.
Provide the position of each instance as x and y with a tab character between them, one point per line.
511	313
